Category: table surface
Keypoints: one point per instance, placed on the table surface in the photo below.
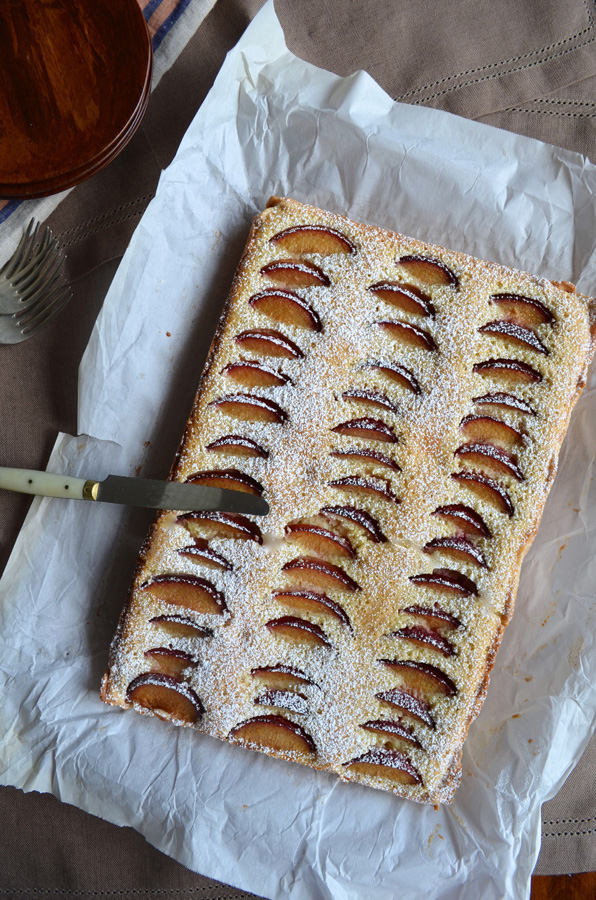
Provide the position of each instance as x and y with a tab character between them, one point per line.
564	887
530	73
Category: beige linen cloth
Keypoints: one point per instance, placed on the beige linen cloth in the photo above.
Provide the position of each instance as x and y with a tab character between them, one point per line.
528	67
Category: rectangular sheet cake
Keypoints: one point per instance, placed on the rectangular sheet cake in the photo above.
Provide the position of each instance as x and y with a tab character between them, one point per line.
401	408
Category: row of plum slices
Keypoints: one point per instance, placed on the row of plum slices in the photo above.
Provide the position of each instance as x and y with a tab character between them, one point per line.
488	452
407	297
329	539
163	687
280	302
488	445
308	578
390	760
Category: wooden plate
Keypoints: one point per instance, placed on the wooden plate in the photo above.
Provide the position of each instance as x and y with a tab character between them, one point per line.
75	79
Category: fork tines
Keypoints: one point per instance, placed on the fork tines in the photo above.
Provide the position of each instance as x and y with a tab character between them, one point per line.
32	287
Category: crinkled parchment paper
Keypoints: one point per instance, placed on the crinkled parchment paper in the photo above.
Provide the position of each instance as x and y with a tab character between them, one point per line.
275	125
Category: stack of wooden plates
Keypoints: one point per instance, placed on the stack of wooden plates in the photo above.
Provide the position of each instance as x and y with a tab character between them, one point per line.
75	79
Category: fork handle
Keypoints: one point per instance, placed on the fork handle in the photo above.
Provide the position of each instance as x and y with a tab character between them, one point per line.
47	484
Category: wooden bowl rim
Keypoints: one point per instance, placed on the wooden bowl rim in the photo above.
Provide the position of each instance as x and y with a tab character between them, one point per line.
35	188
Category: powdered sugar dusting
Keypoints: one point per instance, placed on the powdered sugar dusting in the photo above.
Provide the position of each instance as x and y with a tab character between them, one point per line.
307	469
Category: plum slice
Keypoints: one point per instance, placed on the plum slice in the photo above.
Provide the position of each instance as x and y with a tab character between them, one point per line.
392	729
388	764
487	489
425	637
489	430
165	696
237	445
318	574
461	548
299	631
409	334
510	370
313	239
286	307
446	580
200	552
371	456
188	591
357	484
252	374
421	679
220	525
268	342
524	311
320	541
397	373
368	428
233	479
492	460
274	733
292	273
359	517
430	271
281	677
515	334
169	661
406	297
503	400
302	601
434	616
464	518
250	408
180	626
408	705
290	700
370	398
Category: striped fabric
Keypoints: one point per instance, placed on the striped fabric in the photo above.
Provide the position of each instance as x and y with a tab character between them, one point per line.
7	207
161	16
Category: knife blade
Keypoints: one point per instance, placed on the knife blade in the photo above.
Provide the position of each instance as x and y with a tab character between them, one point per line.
147	492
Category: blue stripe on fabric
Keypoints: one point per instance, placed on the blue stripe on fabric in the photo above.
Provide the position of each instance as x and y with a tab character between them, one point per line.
8	210
171	20
150	8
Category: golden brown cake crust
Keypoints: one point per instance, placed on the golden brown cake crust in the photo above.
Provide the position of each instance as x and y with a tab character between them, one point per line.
401	407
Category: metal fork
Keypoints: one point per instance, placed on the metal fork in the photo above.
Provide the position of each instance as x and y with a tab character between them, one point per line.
32	288
21	326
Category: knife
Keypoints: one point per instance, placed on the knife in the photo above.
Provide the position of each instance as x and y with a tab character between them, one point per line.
148	492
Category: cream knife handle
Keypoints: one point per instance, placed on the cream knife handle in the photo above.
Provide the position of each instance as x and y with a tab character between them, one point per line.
47	484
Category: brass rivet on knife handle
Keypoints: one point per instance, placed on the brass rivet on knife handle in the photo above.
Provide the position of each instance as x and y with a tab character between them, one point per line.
90	489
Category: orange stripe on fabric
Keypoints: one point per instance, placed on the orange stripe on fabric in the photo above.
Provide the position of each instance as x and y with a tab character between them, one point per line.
161	14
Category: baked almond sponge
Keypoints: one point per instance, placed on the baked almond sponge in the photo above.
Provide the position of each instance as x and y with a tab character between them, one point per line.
401	408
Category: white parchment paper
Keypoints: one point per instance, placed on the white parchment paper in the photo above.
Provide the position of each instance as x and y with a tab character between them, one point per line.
273	124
